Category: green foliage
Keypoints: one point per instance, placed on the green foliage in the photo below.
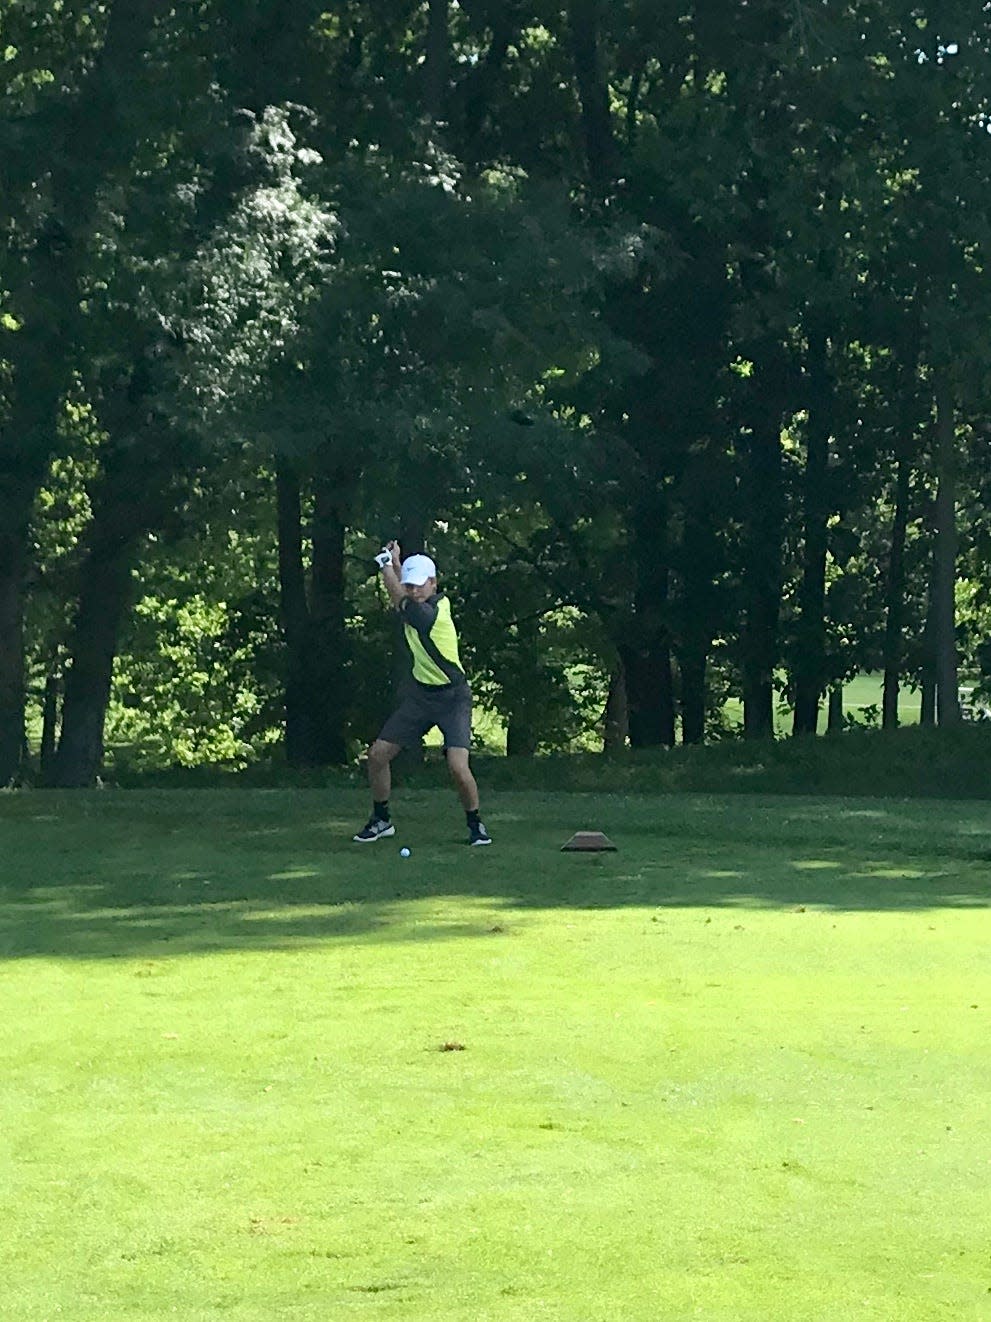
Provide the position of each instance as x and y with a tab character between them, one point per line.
241	300
217	299
63	509
189	692
198	675
450	298
230	242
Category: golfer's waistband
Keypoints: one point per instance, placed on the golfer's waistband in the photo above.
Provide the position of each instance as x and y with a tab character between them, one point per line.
452	687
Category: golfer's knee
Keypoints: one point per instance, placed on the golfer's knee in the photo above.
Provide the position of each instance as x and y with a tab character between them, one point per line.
457	765
379	755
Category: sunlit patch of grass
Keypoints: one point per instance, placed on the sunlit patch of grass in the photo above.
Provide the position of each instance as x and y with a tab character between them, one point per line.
253	1071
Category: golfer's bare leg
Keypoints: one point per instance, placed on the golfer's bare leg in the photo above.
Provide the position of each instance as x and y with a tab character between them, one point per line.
464	781
380	757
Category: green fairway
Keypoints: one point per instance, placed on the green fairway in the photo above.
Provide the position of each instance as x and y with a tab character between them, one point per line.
738	1070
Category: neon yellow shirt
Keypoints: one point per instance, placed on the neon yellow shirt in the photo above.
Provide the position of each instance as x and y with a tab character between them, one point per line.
433	641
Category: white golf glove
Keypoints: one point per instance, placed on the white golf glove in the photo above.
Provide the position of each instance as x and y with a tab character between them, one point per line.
384	557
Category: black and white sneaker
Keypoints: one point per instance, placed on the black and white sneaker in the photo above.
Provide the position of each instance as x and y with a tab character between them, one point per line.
375	829
477	835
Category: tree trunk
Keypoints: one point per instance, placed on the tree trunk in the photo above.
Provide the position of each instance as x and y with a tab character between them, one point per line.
330	650
102	603
895	603
927	699
295	616
927	713
412	532
15	508
423	477
810	652
314	628
27	440
437	59
945	571
616	716
526	715
50	717
835	720
645	650
521	737
414	520
593	93
701	563
266	60
650	693
91	135
477	87
692	663
761	588
133	499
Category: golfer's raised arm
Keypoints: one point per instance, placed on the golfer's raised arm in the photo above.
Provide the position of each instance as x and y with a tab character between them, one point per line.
390	569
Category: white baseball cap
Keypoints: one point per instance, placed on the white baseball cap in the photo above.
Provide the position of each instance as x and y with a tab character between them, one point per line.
417	569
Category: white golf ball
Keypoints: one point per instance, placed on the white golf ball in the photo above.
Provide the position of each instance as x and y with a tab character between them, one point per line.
404	852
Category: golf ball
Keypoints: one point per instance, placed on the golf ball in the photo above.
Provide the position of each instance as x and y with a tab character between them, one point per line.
404	852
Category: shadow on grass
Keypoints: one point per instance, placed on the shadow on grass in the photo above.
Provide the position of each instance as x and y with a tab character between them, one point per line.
131	873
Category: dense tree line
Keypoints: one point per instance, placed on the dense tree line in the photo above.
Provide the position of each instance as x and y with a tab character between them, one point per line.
664	325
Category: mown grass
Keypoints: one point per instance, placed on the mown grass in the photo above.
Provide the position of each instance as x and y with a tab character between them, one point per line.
736	1070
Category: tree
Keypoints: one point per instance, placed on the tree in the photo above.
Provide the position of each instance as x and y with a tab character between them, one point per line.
186	323
65	139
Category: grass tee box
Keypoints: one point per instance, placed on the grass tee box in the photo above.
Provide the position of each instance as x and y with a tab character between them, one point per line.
736	1071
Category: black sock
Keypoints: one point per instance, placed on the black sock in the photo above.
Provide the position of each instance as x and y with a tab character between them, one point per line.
472	816
380	811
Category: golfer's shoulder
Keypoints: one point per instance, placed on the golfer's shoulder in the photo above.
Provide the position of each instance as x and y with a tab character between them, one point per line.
420	614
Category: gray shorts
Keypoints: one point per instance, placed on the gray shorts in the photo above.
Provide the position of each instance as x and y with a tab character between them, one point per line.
423	708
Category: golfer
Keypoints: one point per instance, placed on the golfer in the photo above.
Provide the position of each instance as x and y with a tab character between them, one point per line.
440	694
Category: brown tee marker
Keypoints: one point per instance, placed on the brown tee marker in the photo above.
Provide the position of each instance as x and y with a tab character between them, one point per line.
587	842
